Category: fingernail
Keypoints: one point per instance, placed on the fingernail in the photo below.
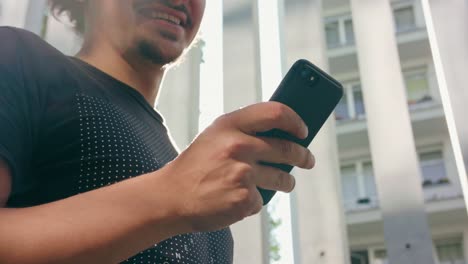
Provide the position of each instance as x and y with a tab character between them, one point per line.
311	161
293	184
305	131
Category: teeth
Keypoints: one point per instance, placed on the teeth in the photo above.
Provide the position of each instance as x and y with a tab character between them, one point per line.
165	16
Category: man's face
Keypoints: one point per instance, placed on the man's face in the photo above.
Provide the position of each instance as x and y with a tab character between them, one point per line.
155	30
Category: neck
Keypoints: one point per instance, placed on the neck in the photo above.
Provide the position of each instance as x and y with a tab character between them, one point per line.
140	74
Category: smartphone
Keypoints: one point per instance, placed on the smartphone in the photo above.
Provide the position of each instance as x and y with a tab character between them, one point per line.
313	95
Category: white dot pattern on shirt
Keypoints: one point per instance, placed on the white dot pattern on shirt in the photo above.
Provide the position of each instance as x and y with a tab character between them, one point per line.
115	146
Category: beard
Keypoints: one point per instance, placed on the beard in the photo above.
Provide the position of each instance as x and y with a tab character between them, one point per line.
153	53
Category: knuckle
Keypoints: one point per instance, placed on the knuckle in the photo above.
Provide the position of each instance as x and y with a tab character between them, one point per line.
235	146
258	204
221	119
243	169
241	199
277	111
257	208
286	147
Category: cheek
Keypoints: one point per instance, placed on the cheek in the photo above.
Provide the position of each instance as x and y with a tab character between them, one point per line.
198	8
119	21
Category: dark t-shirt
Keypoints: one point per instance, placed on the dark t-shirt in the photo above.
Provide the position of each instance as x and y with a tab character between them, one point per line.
67	128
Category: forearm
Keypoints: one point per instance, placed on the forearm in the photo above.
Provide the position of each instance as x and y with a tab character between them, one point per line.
107	225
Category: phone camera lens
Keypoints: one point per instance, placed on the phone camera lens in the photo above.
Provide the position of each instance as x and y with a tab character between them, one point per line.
308	74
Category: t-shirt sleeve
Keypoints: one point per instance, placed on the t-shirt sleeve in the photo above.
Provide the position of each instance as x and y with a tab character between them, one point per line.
16	108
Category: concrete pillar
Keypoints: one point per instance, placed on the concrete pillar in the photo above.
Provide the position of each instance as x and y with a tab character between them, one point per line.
35	15
179	98
447	29
249	240
398	178
271	67
14	13
211	82
251	236
318	218
241	89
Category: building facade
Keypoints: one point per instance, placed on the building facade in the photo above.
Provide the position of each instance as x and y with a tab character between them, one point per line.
386	164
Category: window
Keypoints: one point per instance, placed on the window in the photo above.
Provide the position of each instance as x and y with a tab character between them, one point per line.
349	182
351	105
448	251
332	31
380	257
417	87
358	185
359	257
433	168
342	109
349	31
404	18
369	180
359	110
339	31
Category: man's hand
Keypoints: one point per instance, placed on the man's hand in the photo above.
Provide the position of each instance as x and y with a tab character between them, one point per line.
215	179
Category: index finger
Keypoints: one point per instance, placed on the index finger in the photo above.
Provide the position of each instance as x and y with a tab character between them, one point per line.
263	117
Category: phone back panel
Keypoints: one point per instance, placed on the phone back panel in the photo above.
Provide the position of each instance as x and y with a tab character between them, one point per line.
313	95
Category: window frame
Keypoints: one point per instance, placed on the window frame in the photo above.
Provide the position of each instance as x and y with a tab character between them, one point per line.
363	192
401	6
429	149
414	71
348	88
342	36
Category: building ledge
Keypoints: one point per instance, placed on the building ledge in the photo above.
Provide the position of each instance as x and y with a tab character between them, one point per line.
437	204
404	37
424	111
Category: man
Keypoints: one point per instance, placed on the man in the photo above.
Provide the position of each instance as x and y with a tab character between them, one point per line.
76	131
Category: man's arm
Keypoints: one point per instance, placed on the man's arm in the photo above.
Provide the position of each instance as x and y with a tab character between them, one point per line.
107	225
211	185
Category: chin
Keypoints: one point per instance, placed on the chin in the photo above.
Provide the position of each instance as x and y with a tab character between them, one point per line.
156	54
161	49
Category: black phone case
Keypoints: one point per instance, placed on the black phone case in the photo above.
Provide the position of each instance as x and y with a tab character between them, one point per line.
313	95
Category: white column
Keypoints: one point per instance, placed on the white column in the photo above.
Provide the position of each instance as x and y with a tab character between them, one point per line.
179	98
241	89
406	230
320	228
35	15
271	65
251	240
211	82
14	12
447	28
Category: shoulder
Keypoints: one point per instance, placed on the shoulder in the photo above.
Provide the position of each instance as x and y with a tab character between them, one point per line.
27	56
15	39
21	46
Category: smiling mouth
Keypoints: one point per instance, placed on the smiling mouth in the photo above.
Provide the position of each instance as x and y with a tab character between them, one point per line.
153	14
